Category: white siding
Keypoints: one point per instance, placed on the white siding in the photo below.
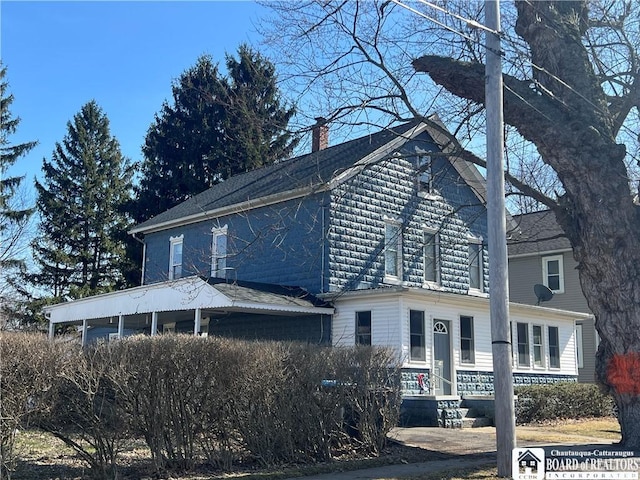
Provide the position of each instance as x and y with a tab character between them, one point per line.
385	321
390	327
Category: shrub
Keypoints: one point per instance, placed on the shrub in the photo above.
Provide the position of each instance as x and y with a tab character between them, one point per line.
167	381
197	399
28	368
539	403
87	414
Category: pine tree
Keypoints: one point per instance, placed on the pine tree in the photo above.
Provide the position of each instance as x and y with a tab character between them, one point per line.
79	249
255	119
14	213
217	126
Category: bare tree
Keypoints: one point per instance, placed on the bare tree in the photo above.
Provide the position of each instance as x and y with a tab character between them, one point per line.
572	92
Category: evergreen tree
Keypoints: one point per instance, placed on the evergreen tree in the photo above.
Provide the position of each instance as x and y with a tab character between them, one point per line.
255	120
216	127
14	213
79	248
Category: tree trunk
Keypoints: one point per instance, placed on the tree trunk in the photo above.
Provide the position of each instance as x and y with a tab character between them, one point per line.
565	113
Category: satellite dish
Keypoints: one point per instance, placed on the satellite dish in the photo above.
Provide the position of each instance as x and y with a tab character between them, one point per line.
543	293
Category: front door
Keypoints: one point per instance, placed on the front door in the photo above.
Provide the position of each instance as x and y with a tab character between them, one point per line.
442	357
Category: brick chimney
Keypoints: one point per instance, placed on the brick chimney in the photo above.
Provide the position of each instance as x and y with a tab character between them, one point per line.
319	135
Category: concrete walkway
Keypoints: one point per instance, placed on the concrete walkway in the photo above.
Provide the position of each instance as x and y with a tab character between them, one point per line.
472	447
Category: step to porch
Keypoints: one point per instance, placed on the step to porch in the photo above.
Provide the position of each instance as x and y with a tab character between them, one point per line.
472	418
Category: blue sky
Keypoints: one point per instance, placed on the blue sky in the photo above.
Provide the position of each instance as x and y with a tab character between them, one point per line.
124	55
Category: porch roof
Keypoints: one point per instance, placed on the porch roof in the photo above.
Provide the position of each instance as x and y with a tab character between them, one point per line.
190	293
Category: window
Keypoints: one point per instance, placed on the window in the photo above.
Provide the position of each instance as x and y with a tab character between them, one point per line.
363	328
554	347
467	348
431	257
475	264
424	166
392	250
416	334
523	344
579	346
553	273
175	257
219	252
538	347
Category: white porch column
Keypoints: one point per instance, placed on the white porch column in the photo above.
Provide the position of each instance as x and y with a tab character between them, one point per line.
52	330
85	326
120	326
154	324
197	321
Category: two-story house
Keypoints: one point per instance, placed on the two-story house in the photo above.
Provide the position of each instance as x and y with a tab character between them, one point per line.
540	253
380	240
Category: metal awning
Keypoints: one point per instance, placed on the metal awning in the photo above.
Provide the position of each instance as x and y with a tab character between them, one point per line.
189	294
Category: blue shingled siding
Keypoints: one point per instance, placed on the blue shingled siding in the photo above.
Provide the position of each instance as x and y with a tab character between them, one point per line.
280	244
388	189
335	241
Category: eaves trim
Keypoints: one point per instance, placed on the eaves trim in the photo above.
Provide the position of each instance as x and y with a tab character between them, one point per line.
541	253
230	209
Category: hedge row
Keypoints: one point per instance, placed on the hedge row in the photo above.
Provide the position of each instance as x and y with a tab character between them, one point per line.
539	403
198	400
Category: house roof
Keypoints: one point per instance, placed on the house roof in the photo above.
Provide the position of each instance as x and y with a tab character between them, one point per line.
187	294
536	233
301	175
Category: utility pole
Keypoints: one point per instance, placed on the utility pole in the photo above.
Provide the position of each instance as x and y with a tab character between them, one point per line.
496	219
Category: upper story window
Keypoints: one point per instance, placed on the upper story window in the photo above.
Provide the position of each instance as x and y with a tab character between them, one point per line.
219	252
431	257
424	166
476	277
392	251
363	328
175	257
553	273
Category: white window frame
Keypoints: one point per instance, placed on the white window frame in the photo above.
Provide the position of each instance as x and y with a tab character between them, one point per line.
527	344
173	243
389	252
478	242
540	345
472	339
358	333
218	261
437	262
579	346
424	168
545	272
559	366
412	334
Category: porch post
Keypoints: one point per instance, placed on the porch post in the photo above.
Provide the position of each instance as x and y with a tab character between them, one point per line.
197	321
120	326
52	329
154	324
85	325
